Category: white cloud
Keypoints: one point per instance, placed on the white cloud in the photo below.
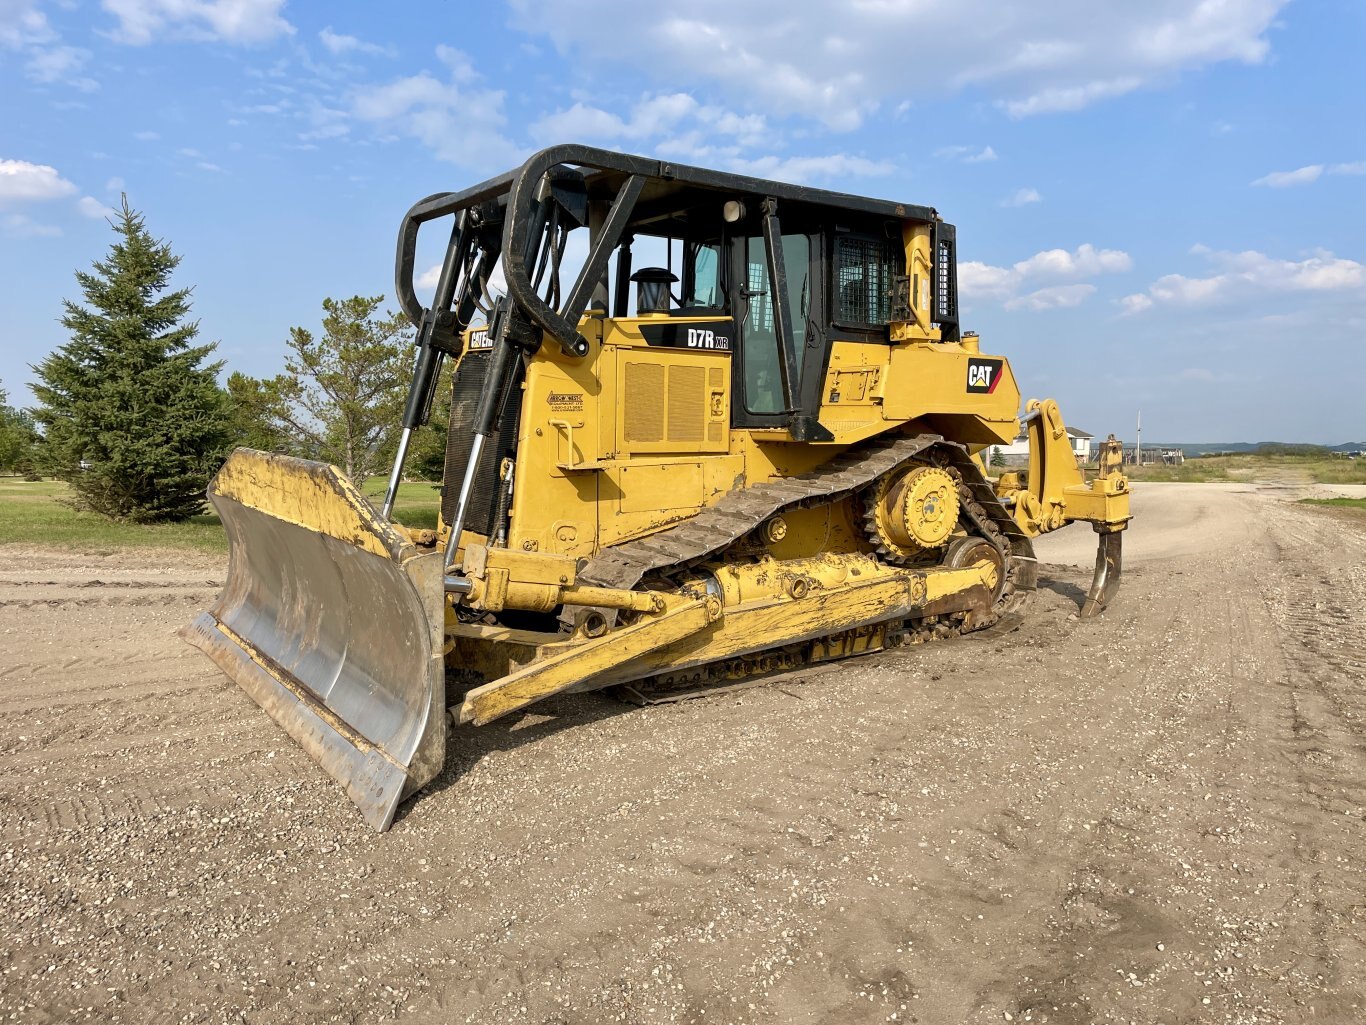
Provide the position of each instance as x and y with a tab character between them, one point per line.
801	170
231	21
1022	197
677	125
1075	97
458	61
983	282
92	207
1029	58
1250	274
21	182
114	184
51	64
147	136
978	280
1309	174
1054	297
22	24
650	117
1282	179
967	154
21	226
339	44
676	119
457	120
429	277
1084	261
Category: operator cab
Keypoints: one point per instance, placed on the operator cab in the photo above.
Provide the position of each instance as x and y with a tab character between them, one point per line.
783	269
836	275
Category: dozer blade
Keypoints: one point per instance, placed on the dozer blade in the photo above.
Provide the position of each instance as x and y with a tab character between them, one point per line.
1106	580
332	622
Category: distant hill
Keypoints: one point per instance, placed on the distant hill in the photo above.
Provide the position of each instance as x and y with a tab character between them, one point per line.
1204	448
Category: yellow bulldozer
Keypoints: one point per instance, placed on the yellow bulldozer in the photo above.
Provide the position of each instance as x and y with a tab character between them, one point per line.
770	452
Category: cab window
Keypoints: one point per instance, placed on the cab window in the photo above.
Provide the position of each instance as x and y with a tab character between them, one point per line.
865	272
702	275
763	371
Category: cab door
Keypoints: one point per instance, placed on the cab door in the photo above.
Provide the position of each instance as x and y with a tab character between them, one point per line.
758	366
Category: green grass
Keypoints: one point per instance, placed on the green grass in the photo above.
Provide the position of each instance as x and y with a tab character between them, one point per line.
31	512
417	504
1339	503
1251	467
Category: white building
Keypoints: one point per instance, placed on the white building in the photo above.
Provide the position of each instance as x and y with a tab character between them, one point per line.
1018	450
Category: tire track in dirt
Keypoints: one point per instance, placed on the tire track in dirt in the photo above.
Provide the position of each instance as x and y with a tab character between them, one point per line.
1005	824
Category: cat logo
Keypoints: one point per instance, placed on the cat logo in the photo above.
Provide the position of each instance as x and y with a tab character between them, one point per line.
984	375
480	339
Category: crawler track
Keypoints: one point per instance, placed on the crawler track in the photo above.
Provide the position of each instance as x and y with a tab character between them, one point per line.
730	521
714	530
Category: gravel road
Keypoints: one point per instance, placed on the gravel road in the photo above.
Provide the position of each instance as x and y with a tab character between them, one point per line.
1154	817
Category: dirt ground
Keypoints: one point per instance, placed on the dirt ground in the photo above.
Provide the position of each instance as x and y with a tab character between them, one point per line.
1154	817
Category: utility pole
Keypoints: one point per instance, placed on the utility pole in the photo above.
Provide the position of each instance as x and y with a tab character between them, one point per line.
1138	441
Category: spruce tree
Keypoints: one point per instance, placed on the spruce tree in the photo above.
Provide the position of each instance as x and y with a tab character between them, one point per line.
132	416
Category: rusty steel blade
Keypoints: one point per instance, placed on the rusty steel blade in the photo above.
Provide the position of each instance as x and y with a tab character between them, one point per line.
332	622
1105	582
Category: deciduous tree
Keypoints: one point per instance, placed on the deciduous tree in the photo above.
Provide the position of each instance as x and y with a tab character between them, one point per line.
18	438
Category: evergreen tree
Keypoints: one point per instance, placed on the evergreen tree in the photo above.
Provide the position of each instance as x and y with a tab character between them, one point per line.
133	418
257	411
341	396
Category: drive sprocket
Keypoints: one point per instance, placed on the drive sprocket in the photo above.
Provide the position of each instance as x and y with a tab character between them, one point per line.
910	512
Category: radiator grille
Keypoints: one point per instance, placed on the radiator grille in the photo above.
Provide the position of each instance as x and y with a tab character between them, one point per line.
687	403
644	415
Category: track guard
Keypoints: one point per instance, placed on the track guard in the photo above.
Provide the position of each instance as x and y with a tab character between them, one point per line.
332	622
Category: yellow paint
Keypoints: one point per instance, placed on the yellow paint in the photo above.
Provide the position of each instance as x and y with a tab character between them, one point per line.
314	496
762	605
1056	492
569	664
920	272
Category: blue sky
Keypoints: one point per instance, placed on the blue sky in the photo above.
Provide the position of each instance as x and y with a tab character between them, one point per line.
1161	206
